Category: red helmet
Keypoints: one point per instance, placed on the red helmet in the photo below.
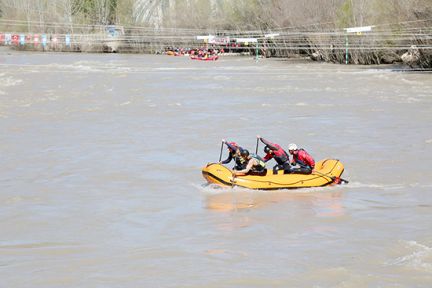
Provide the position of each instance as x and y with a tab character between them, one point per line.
232	146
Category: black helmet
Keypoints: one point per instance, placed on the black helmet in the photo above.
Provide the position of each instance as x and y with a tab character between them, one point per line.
267	149
244	153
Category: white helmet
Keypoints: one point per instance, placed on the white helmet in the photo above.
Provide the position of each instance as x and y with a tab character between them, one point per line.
292	146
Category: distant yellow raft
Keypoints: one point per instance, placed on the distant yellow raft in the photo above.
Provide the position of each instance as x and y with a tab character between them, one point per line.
326	172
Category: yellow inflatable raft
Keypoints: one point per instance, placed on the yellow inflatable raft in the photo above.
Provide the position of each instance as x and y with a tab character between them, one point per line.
326	172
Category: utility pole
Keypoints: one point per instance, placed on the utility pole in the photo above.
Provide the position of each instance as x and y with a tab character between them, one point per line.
357	30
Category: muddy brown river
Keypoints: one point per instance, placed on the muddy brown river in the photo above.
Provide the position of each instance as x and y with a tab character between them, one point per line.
101	186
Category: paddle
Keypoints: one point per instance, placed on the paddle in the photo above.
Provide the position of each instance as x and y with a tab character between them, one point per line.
332	177
220	155
232	180
256	149
343	180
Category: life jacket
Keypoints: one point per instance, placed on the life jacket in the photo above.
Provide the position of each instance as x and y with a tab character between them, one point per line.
232	146
261	164
240	161
279	155
304	159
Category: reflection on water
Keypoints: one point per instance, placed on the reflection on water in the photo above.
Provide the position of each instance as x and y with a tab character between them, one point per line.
324	201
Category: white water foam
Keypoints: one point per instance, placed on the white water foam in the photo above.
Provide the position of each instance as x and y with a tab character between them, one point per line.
221	78
411	82
376	186
216	189
420	257
8	81
177	69
211	188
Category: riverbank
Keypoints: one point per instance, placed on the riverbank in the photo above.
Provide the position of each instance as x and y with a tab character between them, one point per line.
397	65
369	45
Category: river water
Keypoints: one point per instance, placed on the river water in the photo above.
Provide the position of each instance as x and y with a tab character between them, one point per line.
101	180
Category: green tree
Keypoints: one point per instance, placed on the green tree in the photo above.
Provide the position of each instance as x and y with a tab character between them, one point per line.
124	12
345	15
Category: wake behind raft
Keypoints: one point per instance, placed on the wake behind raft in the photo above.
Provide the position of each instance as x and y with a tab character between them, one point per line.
326	172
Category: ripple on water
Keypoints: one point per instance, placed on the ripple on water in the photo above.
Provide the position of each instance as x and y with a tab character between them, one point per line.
416	256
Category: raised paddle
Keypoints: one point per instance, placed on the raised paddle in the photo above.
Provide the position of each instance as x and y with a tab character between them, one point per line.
256	149
220	155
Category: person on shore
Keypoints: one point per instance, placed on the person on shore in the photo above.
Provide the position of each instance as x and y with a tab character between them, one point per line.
276	152
301	158
234	153
255	164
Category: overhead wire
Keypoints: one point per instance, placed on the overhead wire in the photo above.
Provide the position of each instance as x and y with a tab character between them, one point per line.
381	37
